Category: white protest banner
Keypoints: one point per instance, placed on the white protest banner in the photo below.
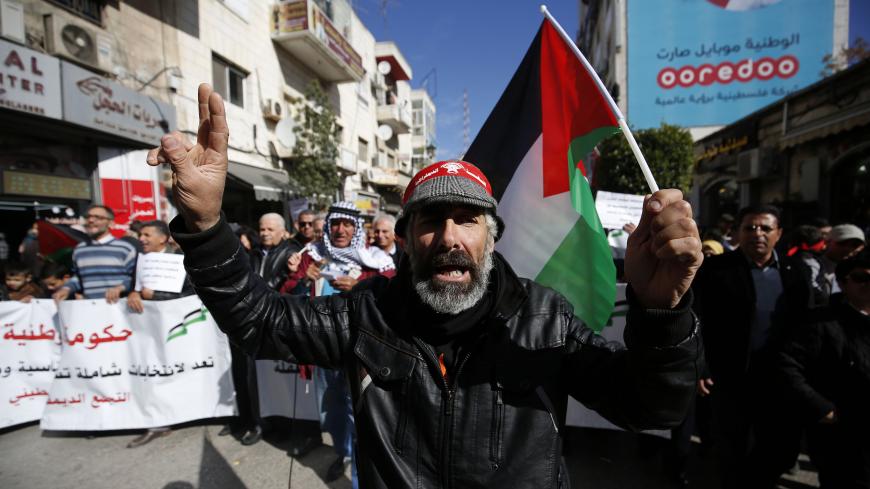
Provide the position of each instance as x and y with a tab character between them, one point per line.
616	210
283	392
160	271
123	370
29	350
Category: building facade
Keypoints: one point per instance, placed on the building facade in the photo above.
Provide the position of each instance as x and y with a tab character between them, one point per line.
88	86
808	153
423	136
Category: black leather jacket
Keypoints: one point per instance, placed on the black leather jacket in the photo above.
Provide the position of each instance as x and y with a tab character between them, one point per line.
498	422
274	264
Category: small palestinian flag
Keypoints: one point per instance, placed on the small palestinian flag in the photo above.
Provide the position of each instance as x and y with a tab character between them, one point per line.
532	147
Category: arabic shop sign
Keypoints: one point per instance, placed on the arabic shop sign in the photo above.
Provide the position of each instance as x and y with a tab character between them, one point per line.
96	102
723	147
704	63
29	81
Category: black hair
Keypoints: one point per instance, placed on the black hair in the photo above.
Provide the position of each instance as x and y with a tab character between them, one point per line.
55	270
819	222
136	226
158	224
805	234
108	210
16	268
845	267
754	210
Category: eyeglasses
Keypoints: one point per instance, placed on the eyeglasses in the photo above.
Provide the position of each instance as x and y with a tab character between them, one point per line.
96	217
305	224
859	277
763	227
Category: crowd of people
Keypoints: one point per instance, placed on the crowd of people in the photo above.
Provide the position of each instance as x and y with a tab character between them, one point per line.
785	319
785	322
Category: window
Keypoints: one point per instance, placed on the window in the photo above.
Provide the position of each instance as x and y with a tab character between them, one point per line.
88	9
362	150
228	81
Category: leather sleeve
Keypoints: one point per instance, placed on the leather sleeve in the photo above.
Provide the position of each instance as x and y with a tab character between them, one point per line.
648	385
258	319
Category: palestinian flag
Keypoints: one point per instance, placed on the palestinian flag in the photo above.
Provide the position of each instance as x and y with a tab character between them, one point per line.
56	241
532	148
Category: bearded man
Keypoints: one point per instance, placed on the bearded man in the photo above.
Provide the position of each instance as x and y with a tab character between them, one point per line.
335	264
459	370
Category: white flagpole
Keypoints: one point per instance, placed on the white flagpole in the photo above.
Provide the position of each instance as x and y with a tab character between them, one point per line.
623	126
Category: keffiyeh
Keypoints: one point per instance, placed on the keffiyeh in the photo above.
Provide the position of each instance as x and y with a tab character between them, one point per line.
357	255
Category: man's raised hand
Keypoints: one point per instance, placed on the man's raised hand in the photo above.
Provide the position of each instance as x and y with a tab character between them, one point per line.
198	170
664	252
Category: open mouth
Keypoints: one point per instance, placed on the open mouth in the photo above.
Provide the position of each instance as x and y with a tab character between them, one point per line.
452	273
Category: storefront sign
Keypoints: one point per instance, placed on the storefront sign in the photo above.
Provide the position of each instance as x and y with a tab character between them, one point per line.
722	147
93	101
290	16
29	81
37	185
337	43
368	204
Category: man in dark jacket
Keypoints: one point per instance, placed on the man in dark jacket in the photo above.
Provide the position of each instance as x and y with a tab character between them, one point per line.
741	300
271	260
826	371
460	370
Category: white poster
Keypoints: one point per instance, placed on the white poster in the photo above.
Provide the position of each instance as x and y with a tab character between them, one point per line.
123	370
29	351
160	271
616	210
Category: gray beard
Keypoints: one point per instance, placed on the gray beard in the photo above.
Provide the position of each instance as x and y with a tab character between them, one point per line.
452	298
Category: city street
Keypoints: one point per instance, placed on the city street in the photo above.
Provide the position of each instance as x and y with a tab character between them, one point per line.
195	457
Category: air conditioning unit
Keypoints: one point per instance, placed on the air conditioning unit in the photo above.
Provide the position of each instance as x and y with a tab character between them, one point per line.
752	164
77	41
273	110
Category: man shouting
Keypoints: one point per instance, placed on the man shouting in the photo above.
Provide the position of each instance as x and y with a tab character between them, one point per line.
459	370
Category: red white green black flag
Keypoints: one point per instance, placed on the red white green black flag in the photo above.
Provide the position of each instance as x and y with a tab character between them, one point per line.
532	147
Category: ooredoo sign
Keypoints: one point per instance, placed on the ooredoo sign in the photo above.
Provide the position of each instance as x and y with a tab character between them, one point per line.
711	62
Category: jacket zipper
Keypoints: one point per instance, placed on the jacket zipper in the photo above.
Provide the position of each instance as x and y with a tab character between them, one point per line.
495	440
447	397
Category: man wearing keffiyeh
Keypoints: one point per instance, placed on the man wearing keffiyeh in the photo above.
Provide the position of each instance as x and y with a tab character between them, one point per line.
332	265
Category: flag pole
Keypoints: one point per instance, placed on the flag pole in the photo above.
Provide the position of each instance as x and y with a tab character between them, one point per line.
623	126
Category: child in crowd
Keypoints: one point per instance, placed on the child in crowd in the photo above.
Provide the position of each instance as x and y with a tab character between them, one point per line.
19	283
54	275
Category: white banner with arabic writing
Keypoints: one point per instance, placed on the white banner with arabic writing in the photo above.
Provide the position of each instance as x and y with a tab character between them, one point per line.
29	350
117	369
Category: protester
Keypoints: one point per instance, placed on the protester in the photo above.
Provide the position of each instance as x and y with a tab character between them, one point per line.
846	240
743	310
806	245
305	227
826	371
725	226
154	238
712	247
4	248
385	237
318	228
19	282
270	262
103	266
331	266
28	251
54	275
435	406
823	226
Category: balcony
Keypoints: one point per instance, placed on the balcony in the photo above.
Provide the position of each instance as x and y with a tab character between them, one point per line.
304	31
386	177
400	70
395	115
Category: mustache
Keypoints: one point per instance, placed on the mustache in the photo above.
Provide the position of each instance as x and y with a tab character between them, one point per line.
456	258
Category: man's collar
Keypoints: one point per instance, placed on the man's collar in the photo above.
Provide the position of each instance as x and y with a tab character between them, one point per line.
105	239
772	262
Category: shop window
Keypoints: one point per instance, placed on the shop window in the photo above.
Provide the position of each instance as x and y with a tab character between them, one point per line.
228	81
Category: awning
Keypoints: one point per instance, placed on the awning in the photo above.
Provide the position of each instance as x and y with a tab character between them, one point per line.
267	183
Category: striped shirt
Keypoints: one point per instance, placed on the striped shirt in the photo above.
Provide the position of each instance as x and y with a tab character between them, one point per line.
100	265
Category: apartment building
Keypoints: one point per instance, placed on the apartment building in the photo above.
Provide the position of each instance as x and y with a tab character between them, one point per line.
88	85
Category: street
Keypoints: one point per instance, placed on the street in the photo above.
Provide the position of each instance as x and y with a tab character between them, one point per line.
195	457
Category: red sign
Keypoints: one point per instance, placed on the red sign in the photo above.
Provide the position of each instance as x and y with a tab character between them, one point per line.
131	200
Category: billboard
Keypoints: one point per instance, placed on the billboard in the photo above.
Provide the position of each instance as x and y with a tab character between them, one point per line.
711	62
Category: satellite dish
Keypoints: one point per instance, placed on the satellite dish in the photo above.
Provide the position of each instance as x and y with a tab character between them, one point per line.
385	132
384	68
284	133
